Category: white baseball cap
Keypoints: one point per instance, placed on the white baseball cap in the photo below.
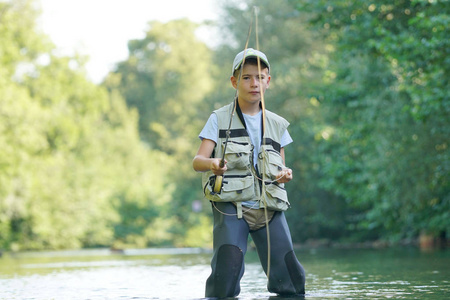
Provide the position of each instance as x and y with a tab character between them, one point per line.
249	52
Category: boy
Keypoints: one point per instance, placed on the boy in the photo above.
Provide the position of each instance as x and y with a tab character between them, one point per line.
252	190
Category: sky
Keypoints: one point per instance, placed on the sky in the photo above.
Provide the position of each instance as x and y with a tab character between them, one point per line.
102	28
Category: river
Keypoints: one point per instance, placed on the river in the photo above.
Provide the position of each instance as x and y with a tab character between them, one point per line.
180	274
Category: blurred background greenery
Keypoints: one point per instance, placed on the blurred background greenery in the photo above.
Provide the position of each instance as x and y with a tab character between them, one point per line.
364	85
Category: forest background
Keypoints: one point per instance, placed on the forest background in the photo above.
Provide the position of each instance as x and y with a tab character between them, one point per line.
363	83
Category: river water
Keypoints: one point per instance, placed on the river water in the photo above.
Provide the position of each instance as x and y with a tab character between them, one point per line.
180	274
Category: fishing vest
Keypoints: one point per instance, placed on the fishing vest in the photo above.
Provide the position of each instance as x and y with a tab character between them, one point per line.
242	181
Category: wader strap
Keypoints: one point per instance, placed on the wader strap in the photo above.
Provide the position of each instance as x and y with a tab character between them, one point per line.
239	209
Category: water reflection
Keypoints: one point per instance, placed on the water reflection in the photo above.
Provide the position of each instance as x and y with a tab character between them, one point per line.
181	273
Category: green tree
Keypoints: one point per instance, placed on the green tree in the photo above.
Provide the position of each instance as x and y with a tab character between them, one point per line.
71	159
387	107
166	78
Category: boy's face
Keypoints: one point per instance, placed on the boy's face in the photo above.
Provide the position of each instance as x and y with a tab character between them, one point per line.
249	89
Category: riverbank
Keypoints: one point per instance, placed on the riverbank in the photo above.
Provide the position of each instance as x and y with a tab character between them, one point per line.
423	243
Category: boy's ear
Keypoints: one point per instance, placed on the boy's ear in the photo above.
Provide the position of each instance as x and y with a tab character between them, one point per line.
233	81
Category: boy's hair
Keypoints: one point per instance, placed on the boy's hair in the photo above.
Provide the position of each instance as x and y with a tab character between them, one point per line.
253	61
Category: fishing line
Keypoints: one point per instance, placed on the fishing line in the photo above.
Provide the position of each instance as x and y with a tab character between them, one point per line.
232	215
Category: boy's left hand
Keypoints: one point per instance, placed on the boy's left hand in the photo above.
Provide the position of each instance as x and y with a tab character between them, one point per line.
285	175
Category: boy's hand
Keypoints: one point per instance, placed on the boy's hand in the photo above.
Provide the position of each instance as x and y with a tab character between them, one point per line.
285	176
215	166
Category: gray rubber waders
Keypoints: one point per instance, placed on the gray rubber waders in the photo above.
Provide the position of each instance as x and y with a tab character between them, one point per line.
224	282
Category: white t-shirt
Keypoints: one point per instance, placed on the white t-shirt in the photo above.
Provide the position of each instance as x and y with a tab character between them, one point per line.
210	132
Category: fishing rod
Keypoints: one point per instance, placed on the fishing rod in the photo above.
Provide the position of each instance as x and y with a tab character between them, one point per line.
219	178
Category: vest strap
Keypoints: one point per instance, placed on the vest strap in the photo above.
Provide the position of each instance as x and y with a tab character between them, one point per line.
234	133
239	209
275	145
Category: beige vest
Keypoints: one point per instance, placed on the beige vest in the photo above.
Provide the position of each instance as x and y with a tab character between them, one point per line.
242	181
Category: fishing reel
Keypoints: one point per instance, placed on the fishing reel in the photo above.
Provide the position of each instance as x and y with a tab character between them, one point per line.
219	178
218	184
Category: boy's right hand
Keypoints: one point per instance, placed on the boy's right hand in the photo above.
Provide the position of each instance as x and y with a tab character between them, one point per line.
215	166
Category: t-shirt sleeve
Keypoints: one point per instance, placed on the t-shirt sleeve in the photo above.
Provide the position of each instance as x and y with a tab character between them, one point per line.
286	139
210	129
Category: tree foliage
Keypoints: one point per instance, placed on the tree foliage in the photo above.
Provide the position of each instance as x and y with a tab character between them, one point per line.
363	84
71	161
166	77
387	107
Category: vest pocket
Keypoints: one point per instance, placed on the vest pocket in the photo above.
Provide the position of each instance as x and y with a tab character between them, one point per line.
276	197
235	188
238	155
273	163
